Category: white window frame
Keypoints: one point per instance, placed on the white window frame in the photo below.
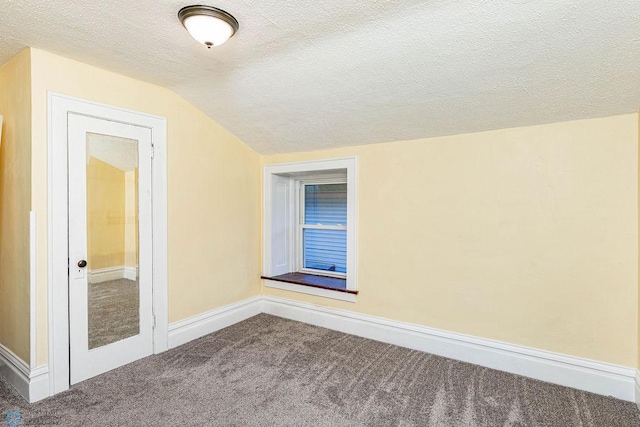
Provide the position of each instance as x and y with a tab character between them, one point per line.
300	225
281	198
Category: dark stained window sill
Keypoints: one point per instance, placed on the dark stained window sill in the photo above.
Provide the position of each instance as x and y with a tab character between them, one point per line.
315	281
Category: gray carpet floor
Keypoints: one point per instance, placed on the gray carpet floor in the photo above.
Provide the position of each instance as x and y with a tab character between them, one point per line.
268	371
113	311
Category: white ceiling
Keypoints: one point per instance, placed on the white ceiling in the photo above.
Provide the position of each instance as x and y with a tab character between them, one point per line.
121	153
311	74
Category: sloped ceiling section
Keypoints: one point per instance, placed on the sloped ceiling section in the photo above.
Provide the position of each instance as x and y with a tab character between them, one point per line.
312	74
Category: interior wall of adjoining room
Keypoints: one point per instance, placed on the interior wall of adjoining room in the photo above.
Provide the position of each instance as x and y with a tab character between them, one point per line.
213	189
106	217
526	235
15	204
112	207
131	219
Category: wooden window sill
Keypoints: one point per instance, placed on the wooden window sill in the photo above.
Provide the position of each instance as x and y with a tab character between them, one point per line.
314	281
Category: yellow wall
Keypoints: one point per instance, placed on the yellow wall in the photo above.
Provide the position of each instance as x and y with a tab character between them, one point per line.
213	190
131	219
15	203
524	235
105	215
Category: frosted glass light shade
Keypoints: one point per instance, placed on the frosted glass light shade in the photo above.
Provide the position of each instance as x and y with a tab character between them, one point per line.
208	30
208	25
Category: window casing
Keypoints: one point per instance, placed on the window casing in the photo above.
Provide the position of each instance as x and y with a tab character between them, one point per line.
290	213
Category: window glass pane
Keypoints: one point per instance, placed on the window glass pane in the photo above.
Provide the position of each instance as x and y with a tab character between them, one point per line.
325	249
325	204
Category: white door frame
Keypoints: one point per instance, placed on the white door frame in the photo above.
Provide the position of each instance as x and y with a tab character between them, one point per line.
59	106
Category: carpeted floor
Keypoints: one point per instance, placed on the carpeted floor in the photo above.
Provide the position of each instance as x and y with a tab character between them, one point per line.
268	371
113	311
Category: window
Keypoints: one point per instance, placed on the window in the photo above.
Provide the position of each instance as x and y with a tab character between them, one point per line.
322	230
309	227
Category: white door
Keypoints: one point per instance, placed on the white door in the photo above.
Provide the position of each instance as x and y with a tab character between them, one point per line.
110	246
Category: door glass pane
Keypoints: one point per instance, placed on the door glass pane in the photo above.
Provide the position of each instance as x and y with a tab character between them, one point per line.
112	239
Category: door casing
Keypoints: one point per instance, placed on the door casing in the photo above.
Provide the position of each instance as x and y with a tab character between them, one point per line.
59	107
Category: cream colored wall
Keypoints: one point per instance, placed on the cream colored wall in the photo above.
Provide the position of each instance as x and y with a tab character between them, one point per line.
15	204
213	190
131	219
524	235
106	215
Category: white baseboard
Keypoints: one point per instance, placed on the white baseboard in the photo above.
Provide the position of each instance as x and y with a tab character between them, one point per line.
130	273
100	275
195	327
15	371
638	388
32	384
583	374
39	384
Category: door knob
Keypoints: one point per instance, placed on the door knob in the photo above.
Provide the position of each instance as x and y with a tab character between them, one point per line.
82	263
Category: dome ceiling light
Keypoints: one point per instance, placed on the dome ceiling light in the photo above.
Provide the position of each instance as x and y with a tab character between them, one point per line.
208	25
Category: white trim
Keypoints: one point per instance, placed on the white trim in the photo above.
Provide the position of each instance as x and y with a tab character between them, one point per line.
160	251
39	384
299	223
322	227
295	172
130	273
637	388
589	375
99	275
59	106
31	384
186	330
15	371
321	272
33	292
320	292
596	377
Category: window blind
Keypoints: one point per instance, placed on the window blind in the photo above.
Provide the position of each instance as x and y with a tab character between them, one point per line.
325	249
325	204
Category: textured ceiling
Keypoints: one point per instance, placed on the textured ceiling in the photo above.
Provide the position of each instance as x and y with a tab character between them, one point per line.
312	74
121	153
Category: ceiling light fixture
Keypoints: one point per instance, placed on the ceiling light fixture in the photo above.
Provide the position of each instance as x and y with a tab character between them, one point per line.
208	25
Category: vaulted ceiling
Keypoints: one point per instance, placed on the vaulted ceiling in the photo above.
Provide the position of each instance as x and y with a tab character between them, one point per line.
312	74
